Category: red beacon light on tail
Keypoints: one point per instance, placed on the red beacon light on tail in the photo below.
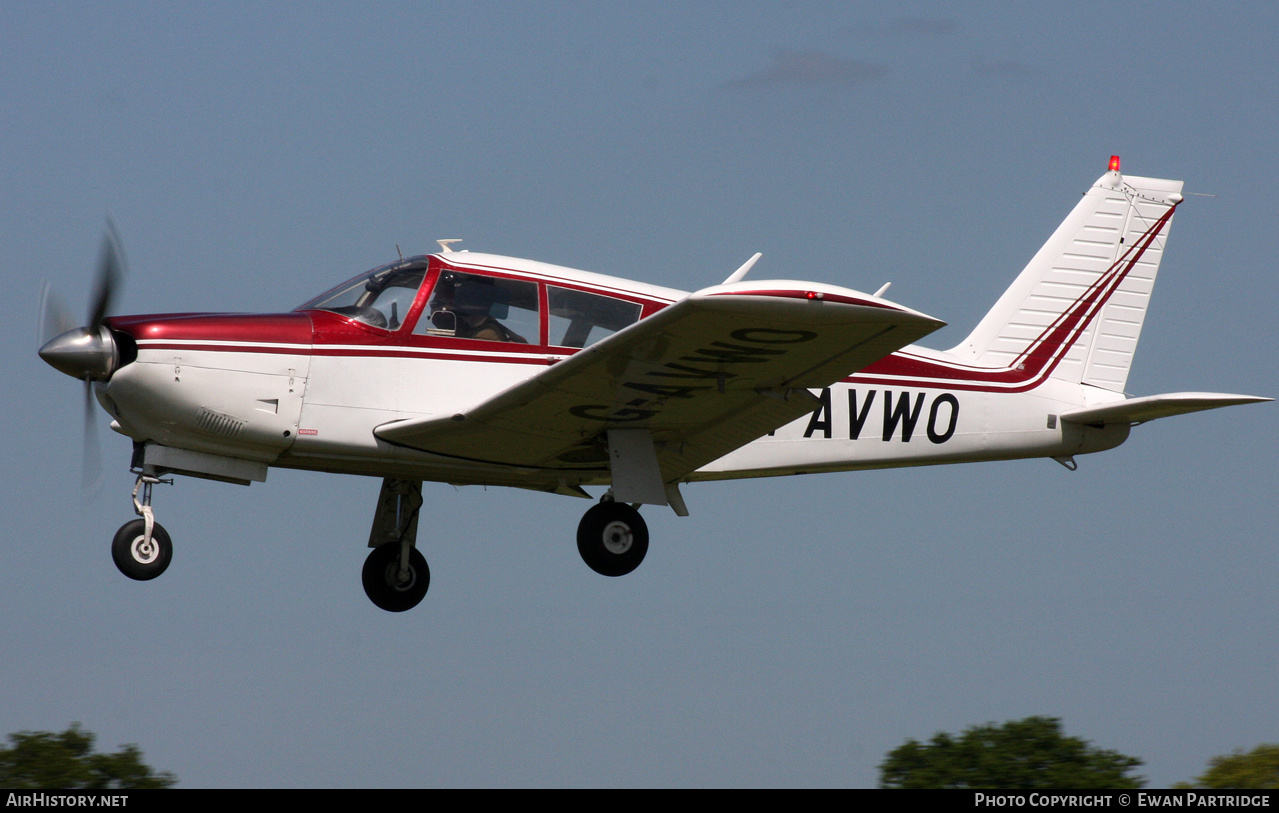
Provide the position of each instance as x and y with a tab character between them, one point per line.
1114	163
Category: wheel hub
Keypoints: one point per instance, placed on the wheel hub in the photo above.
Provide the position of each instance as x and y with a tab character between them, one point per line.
145	551
617	537
393	577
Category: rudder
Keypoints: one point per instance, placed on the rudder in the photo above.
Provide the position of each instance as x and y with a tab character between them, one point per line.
1076	310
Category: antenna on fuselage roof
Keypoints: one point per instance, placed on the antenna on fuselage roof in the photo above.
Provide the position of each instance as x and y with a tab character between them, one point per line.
737	275
444	244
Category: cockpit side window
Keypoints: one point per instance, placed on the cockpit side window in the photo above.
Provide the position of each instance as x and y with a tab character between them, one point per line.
579	319
473	306
380	298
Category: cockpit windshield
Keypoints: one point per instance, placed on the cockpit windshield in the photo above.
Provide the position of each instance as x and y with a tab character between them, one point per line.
381	298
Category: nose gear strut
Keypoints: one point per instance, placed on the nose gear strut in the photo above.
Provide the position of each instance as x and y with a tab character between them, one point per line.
143	508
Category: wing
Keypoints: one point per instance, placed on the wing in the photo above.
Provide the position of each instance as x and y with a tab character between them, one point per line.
701	378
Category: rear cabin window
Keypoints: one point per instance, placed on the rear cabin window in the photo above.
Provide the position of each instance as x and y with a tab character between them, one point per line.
579	319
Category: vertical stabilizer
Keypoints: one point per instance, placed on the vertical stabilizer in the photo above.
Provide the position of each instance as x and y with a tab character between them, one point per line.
1077	309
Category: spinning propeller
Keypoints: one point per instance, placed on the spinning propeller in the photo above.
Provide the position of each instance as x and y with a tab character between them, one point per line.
89	353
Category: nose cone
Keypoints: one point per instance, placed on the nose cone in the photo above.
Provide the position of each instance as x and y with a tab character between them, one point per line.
83	353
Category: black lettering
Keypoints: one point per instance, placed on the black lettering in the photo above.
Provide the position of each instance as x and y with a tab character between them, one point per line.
591	412
772	336
690	372
821	417
933	434
732	354
902	414
856	420
665	390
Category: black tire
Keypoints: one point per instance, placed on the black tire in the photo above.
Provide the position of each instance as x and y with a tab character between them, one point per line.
380	571
612	539
136	560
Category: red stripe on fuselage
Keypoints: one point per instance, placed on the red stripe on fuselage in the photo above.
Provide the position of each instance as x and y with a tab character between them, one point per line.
1041	356
325	334
358	352
258	328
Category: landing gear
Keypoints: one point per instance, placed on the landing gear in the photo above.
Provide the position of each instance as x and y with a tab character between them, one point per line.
138	556
395	574
391	586
142	548
612	538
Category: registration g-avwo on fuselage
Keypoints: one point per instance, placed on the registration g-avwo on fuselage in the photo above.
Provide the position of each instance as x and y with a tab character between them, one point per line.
469	368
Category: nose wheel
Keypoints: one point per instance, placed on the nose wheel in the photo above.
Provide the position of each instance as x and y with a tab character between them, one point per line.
142	548
612	538
138	556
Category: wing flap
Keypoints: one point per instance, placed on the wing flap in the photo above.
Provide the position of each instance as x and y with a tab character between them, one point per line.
705	376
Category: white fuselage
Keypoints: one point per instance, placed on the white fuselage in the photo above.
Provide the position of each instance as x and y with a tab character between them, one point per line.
285	406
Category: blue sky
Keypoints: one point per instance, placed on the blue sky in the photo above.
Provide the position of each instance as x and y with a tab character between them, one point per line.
790	632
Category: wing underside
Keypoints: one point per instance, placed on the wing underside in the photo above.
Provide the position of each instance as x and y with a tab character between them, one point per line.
699	379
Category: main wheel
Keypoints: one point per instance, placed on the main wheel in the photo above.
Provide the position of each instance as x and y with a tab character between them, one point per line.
612	539
137	558
382	583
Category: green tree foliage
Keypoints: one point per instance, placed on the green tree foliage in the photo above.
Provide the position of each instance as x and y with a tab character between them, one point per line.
1020	754
42	759
1256	770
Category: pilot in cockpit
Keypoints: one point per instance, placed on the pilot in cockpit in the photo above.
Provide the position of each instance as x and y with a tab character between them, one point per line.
471	301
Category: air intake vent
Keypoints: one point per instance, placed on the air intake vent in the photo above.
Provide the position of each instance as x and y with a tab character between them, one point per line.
216	423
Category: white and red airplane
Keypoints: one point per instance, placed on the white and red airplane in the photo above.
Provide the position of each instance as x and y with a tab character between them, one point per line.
470	368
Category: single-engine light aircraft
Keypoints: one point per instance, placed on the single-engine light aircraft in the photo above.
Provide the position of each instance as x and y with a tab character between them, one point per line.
471	368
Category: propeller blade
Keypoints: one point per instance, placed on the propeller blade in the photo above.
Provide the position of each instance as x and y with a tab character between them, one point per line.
89	351
111	268
54	318
91	459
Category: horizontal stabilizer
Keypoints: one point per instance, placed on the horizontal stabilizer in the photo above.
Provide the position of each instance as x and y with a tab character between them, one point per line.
1147	408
